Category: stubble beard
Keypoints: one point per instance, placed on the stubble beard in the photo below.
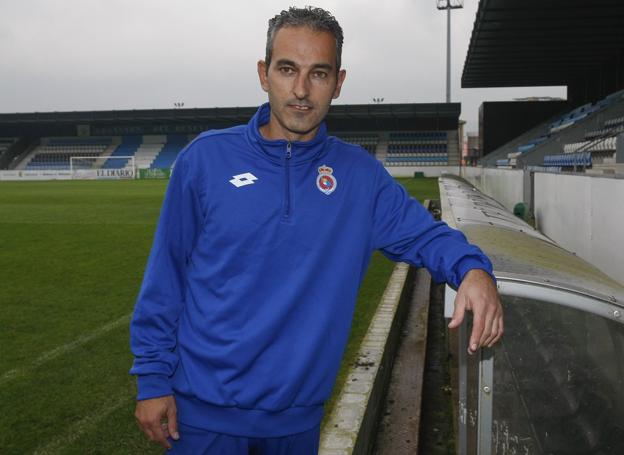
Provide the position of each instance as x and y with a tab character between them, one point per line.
297	126
300	126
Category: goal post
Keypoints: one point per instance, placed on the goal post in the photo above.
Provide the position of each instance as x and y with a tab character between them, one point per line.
102	167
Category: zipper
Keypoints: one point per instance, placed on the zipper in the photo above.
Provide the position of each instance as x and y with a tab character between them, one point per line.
287	180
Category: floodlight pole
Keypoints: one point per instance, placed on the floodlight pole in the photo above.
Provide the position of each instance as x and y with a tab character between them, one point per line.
448	55
448	5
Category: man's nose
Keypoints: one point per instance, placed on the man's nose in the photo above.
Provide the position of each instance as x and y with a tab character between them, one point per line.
301	88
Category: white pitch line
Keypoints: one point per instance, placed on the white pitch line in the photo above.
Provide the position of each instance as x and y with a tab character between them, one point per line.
84	425
64	349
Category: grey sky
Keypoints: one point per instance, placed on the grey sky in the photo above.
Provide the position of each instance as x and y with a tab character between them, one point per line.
140	54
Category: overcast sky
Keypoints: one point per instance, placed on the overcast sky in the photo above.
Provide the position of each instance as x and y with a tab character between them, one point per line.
141	54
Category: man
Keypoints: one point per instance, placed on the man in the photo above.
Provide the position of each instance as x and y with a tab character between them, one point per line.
265	234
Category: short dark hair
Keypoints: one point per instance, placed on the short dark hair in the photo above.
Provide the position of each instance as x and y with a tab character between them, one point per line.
316	18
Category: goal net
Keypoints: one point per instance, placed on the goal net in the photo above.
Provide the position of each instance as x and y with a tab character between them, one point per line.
102	167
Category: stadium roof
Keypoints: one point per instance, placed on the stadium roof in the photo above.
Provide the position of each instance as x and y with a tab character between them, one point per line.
345	117
542	42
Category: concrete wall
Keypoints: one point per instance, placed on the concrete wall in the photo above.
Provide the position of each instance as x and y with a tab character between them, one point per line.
584	215
429	171
504	185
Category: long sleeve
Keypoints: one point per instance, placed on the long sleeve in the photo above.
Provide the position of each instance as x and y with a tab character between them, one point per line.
153	329
404	231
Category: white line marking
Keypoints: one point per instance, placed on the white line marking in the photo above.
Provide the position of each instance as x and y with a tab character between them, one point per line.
84	425
64	349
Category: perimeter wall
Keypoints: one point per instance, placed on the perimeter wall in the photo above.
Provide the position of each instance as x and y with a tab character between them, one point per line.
428	171
506	186
583	214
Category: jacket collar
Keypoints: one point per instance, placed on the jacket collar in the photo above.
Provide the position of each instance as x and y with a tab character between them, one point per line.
275	150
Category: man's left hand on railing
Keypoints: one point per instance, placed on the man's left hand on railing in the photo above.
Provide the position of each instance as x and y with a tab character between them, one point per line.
478	293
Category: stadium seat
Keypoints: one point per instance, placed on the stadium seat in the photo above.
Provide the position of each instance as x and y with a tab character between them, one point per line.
367	141
167	156
417	148
128	147
55	153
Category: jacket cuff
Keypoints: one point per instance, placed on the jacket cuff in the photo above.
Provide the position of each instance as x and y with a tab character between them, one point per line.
469	263
153	386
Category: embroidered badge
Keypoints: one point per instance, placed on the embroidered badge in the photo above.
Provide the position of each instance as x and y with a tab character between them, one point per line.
326	182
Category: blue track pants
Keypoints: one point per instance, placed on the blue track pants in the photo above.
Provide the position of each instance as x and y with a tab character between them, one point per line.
195	441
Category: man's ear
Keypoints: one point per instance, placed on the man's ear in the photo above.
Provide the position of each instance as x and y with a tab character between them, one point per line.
262	75
341	77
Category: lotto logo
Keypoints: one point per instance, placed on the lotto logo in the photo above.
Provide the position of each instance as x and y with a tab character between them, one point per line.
243	179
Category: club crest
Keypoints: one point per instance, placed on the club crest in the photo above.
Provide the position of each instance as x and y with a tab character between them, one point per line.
326	182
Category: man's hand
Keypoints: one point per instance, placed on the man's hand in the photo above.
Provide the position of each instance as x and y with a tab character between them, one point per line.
157	418
478	293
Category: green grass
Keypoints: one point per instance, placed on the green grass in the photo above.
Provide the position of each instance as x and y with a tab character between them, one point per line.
421	188
72	256
72	260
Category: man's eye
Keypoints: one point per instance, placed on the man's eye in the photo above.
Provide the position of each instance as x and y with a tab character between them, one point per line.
320	74
287	70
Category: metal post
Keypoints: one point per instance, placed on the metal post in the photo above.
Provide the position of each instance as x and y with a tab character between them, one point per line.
448	52
448	5
462	354
486	390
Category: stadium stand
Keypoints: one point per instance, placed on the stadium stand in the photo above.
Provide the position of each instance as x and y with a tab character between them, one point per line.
366	125
558	152
579	159
430	135
149	150
367	141
6	142
572	117
612	126
167	156
507	154
420	148
599	147
55	153
403	148
128	147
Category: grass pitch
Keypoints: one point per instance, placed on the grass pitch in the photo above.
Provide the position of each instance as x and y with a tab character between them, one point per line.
72	256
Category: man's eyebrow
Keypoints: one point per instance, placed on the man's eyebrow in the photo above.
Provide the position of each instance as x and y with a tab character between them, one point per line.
285	61
325	66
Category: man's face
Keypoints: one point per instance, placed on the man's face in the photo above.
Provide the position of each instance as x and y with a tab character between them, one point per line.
301	82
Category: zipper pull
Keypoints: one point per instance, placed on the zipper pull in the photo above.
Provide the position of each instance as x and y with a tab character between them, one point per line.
288	152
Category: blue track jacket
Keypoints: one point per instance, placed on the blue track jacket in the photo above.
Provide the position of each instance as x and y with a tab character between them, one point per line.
249	290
